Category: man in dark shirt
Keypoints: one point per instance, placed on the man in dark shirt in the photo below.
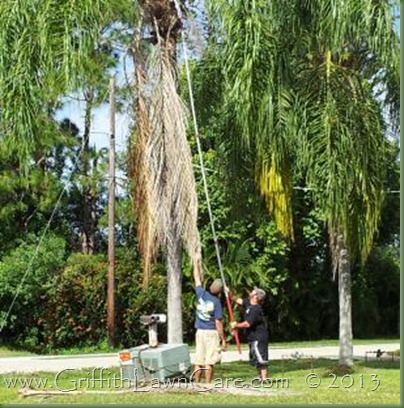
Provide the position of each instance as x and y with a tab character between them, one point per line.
256	330
210	339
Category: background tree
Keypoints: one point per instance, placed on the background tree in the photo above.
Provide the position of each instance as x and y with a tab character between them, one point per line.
344	141
44	47
301	84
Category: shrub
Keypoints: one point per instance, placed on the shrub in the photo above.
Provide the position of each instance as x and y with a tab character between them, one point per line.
32	274
133	299
77	313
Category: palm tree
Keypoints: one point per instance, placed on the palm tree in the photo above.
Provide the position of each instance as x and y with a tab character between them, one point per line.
307	83
353	52
48	49
165	191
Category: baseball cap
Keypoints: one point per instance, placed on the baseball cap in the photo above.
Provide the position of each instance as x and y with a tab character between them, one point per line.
216	286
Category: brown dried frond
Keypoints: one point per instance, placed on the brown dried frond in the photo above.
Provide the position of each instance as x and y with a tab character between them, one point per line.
162	17
139	168
166	197
172	184
165	189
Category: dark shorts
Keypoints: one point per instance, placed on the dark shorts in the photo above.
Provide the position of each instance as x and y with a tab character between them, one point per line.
258	353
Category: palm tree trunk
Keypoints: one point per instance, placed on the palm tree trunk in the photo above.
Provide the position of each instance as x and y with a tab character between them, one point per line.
174	294
345	305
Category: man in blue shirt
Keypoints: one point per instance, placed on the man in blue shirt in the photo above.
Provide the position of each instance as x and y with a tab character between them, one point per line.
210	339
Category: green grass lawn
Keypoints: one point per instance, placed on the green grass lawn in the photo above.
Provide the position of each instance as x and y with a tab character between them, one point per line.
355	388
7	351
333	342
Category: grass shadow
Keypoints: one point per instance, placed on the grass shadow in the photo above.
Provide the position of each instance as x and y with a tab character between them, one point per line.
387	363
280	368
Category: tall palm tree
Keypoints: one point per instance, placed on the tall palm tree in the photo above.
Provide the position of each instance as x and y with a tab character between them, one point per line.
307	83
165	196
353	53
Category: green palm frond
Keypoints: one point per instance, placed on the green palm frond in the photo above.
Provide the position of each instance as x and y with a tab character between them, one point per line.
313	83
344	144
344	148
43	44
257	96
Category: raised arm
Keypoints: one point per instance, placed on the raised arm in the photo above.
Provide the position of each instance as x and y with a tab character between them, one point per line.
198	273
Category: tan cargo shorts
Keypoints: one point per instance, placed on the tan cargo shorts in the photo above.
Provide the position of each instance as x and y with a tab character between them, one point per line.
208	351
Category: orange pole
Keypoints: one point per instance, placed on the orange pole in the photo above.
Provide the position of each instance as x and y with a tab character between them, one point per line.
231	316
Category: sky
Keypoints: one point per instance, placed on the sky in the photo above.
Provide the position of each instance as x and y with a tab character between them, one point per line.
99	135
100	126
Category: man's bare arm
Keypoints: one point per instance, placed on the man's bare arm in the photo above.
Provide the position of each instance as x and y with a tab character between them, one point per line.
242	325
219	328
197	273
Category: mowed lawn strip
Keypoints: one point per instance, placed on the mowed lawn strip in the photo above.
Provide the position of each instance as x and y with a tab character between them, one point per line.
372	382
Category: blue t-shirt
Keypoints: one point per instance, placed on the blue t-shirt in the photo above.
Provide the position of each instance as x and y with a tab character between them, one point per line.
208	310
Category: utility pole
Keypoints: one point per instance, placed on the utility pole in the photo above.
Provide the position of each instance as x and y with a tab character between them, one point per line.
111	219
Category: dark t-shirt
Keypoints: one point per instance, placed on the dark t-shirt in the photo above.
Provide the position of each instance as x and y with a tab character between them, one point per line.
254	315
208	310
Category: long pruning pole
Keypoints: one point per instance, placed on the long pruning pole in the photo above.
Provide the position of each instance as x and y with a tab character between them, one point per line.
205	183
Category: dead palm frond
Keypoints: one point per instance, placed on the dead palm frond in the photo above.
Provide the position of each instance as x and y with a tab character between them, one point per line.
139	173
166	199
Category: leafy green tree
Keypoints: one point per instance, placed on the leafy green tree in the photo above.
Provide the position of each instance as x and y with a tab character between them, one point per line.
301	84
93	92
344	145
44	46
30	194
47	50
30	273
